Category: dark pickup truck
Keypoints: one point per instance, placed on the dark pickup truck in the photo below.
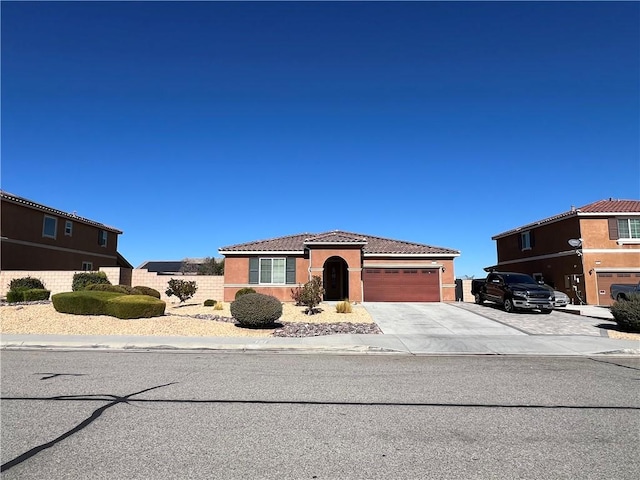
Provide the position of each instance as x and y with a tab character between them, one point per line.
513	291
621	291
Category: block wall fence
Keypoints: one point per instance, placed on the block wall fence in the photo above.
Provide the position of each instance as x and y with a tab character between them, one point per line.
209	286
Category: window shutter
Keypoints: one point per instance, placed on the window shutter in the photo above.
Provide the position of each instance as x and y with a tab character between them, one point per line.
253	270
291	270
613	229
520	242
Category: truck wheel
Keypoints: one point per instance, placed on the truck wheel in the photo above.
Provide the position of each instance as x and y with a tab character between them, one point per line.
508	305
479	299
621	297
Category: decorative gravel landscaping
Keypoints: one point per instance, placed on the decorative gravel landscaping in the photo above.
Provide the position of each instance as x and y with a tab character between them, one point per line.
182	320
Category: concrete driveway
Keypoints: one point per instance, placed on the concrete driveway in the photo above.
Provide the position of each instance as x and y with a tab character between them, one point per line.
435	319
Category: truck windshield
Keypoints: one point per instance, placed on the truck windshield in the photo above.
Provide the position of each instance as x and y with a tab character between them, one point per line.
519	278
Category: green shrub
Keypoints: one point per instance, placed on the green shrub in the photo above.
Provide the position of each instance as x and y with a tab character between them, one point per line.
344	307
218	306
152	292
183	289
210	303
26	283
627	313
81	280
256	310
83	302
134	306
35	294
244	291
22	294
14	296
94	302
104	287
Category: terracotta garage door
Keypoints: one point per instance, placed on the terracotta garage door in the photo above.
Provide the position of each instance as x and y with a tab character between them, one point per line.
401	285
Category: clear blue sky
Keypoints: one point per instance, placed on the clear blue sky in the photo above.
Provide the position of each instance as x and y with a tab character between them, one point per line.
193	126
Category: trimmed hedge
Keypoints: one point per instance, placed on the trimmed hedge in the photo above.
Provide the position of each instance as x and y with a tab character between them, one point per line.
152	292
93	302
35	294
104	287
81	280
27	295
627	313
256	310
210	303
135	306
83	302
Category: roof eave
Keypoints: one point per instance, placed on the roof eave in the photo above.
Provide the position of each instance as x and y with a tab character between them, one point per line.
261	252
423	255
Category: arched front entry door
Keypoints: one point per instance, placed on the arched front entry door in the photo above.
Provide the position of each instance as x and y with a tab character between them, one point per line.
336	279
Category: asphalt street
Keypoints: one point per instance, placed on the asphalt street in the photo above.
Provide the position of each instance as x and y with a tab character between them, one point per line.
114	414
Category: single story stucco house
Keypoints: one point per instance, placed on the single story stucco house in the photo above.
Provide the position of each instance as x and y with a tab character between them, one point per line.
352	266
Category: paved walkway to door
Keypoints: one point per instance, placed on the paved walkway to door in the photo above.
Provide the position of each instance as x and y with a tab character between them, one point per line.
436	319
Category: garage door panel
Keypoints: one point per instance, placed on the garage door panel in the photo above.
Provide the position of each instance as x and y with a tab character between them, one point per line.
401	285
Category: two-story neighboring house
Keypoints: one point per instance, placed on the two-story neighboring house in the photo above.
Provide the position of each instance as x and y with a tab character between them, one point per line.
37	237
580	252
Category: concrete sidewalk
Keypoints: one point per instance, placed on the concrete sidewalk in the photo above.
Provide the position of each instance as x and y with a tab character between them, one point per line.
550	345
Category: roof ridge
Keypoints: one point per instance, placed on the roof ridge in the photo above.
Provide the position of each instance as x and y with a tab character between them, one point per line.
56	211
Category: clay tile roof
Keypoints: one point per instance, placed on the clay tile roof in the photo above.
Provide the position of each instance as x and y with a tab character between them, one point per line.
612	206
336	237
604	207
72	216
371	245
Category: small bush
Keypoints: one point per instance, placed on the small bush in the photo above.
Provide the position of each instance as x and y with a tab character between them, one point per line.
22	294
81	280
256	310
344	307
83	302
312	292
296	295
35	294
26	283
104	287
218	306
14	296
244	291
210	303
183	289
152	292
134	306
627	313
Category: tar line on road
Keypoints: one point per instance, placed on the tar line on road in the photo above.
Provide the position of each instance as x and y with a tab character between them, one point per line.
116	400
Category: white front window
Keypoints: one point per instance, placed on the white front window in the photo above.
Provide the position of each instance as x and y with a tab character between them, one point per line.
102	238
87	266
68	228
526	240
629	228
273	270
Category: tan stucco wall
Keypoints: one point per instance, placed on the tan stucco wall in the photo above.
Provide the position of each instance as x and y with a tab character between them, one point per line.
237	272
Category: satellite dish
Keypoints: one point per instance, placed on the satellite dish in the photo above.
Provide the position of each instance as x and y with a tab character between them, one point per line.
575	242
